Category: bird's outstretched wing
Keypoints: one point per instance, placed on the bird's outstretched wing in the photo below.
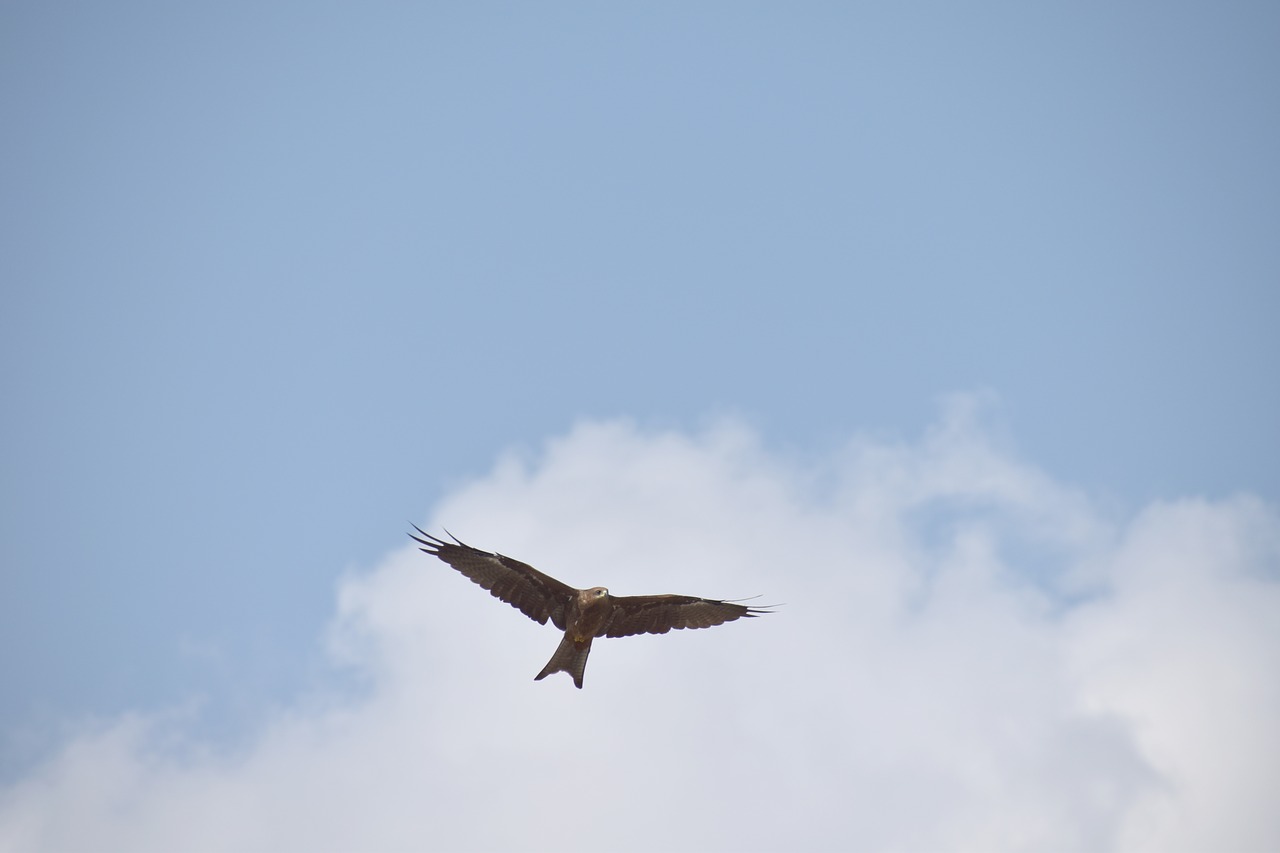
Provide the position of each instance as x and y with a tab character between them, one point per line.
658	614
538	596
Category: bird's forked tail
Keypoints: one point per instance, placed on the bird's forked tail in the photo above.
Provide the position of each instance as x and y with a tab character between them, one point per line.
570	657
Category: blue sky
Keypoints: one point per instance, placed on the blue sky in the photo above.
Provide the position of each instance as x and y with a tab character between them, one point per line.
281	278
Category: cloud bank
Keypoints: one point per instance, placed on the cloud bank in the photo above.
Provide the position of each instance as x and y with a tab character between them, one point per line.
970	656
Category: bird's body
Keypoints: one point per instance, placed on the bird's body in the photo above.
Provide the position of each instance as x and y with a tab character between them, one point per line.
583	614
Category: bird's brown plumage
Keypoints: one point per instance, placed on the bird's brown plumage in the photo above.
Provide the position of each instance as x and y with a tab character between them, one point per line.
583	614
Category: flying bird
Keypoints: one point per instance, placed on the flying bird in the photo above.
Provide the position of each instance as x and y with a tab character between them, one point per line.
583	614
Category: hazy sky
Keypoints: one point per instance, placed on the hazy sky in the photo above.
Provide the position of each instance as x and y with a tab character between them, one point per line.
951	327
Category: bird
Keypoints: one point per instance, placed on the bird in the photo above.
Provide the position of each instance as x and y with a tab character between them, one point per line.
583	614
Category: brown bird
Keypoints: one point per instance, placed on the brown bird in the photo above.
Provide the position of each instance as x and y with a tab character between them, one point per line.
583	614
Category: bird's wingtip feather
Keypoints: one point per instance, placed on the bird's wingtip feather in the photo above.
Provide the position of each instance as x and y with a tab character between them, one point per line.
426	540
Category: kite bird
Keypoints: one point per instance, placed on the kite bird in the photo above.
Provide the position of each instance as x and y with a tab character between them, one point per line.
583	614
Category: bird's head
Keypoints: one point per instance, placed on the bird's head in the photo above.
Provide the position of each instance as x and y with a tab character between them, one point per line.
598	592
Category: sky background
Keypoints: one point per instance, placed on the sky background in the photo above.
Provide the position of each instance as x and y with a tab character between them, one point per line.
952	328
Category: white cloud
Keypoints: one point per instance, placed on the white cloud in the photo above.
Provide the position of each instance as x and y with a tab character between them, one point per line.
970	656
